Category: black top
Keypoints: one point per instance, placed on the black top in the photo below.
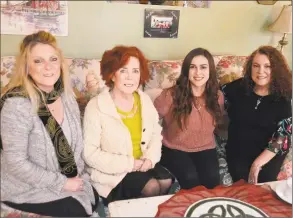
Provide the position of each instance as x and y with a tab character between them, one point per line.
253	121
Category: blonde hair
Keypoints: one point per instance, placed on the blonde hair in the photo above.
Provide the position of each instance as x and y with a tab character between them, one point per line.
20	77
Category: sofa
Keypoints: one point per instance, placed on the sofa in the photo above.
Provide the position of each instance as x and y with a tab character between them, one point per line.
163	75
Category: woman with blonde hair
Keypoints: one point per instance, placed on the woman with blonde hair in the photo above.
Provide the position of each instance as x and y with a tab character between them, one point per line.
42	170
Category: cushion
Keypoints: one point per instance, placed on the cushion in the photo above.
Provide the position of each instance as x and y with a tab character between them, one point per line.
230	68
163	74
7	67
79	68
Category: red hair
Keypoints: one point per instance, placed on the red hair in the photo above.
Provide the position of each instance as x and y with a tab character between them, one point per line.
118	57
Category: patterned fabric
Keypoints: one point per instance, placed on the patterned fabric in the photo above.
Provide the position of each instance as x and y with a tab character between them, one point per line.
163	74
63	150
9	212
78	69
230	68
281	139
225	176
7	67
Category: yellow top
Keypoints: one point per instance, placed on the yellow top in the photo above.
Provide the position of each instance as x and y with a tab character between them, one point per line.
132	120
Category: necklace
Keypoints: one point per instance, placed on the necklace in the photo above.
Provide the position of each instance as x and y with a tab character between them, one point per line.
129	115
197	105
125	115
258	102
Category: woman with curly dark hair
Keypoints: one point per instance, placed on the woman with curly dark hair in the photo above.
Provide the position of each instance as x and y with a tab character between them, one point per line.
259	109
190	111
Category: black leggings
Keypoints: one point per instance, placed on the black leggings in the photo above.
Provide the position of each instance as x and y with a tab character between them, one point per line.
66	207
192	168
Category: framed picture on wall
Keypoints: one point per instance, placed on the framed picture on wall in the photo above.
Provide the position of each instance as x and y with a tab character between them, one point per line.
161	23
27	17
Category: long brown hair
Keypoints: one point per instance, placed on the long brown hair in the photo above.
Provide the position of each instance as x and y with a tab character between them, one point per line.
182	92
281	80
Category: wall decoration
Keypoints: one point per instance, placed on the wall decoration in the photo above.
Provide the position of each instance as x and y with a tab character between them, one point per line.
190	3
26	17
187	4
161	23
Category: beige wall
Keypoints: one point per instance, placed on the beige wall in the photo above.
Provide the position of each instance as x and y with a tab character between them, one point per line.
228	27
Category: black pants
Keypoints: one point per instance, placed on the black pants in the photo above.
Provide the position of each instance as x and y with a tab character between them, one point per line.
192	168
239	168
66	207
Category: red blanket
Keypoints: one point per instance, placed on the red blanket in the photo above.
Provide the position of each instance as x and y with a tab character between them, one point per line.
257	196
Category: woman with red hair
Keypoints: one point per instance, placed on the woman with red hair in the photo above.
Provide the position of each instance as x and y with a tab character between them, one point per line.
122	131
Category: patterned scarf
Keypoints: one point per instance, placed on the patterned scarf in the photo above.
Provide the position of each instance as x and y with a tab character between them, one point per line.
63	150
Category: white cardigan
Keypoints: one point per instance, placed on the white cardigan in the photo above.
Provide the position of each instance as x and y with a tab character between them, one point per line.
108	147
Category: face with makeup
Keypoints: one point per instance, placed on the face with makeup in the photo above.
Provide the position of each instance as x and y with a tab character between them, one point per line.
127	78
199	72
261	71
44	66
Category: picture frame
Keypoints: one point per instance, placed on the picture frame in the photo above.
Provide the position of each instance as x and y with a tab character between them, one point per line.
161	23
181	3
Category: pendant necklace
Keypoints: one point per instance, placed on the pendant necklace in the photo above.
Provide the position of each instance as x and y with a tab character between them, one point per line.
258	102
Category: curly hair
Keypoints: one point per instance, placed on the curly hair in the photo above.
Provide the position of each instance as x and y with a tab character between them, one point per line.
281	75
182	92
118	57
